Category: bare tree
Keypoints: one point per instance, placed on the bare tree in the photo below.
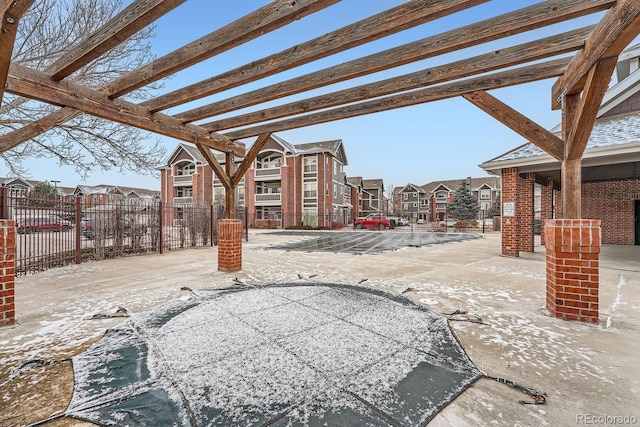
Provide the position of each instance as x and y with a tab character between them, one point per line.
48	30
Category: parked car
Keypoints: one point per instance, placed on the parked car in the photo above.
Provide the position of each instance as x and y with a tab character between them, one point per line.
373	220
34	224
89	228
397	221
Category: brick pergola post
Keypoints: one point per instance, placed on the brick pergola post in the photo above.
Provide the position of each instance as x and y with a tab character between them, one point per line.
7	272
573	253
508	210
526	212
229	245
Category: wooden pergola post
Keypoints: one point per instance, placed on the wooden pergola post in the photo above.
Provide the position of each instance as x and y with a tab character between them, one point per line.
230	228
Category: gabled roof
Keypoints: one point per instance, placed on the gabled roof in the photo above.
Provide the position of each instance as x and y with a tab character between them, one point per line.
335	148
373	184
183	150
277	143
18	181
440	186
356	181
412	188
611	136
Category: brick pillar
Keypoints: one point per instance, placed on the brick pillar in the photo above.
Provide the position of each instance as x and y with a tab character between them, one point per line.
546	205
509	222
229	245
573	248
7	272
526	212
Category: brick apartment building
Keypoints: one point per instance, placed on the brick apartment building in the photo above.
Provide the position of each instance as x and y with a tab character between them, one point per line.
287	185
429	202
610	167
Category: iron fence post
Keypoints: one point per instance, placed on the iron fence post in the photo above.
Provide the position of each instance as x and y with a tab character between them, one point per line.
78	224
161	226
212	219
4	202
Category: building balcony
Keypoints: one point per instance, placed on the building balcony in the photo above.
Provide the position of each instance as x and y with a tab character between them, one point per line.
182	181
268	199
267	174
182	200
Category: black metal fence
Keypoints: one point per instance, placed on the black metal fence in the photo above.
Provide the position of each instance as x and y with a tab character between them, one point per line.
52	232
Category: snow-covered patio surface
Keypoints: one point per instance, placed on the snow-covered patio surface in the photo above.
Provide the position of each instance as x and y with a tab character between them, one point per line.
586	370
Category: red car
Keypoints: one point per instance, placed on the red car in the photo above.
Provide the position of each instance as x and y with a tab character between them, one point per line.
374	220
35	224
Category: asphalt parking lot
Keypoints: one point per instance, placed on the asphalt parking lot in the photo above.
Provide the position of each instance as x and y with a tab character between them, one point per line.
588	372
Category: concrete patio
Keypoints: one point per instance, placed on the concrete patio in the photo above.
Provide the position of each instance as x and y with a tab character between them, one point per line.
588	372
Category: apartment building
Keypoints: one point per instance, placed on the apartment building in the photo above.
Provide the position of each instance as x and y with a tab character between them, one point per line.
441	193
286	186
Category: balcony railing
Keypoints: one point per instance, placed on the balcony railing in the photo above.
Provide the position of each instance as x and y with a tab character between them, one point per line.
267	174
268	199
182	200
182	180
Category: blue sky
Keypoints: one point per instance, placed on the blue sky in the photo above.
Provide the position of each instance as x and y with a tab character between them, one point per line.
434	141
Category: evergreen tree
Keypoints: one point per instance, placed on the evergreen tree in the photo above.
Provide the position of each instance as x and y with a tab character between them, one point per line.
43	194
464	206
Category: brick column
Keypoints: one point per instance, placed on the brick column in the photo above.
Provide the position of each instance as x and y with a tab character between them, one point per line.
546	205
7	272
509	223
526	212
229	245
573	248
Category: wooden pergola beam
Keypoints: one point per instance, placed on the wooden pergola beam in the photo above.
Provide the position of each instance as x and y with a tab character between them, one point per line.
255	24
508	57
11	11
587	111
620	25
536	16
129	21
215	165
517	76
394	20
32	84
517	122
249	158
265	19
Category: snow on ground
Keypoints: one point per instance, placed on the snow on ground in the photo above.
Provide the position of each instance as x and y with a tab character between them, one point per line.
583	368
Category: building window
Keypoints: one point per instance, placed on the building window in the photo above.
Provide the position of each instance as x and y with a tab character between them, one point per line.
310	164
405	207
186	168
335	191
218	194
415	205
485	194
310	190
184	192
271	161
405	196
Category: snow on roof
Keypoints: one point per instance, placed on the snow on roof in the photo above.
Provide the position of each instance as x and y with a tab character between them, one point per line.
607	132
